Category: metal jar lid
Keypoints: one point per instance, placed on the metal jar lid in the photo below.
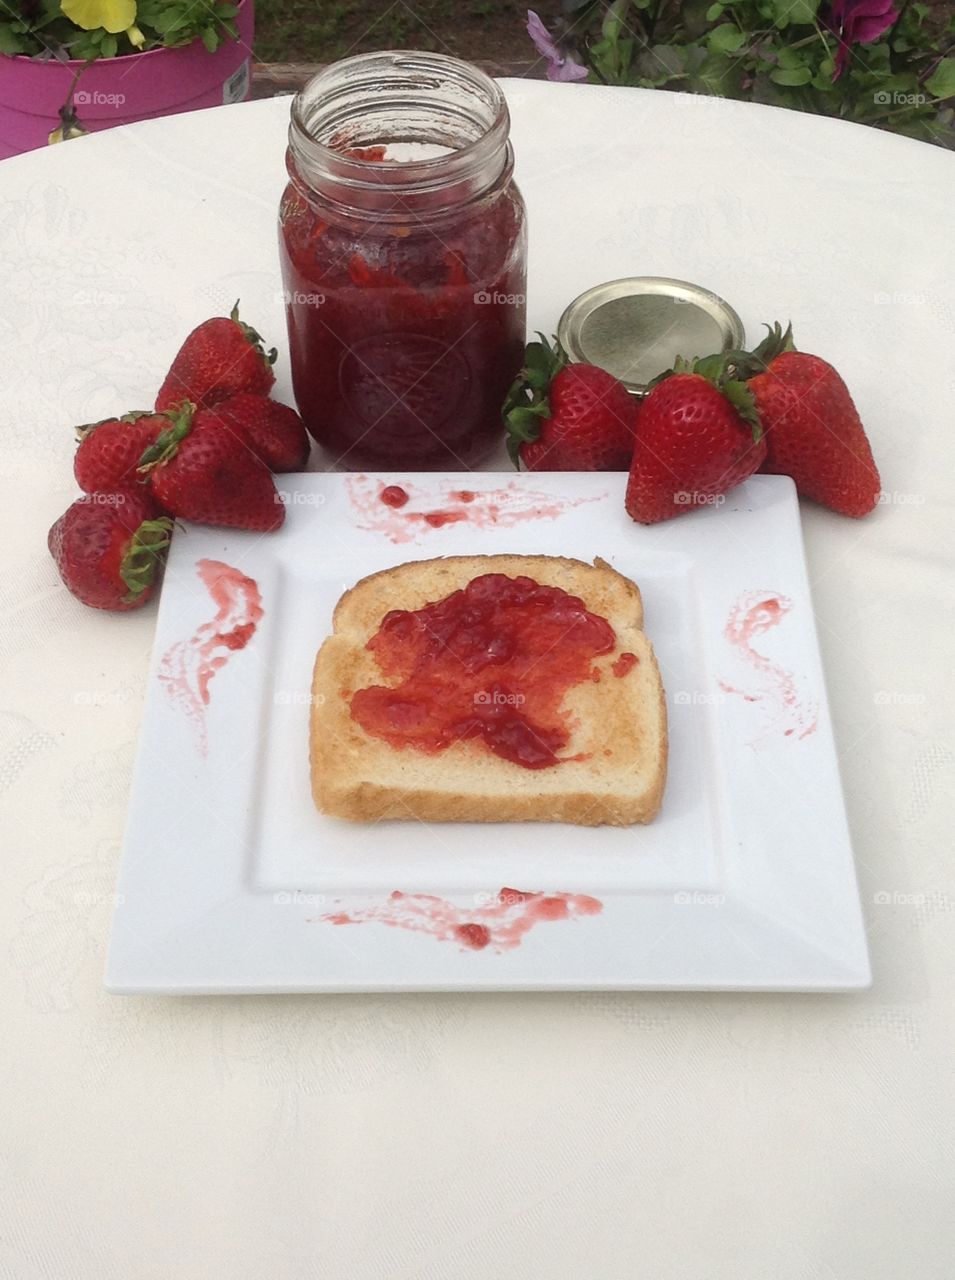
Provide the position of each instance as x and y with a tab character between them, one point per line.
635	328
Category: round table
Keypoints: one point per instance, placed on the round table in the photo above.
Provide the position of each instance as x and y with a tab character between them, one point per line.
605	1136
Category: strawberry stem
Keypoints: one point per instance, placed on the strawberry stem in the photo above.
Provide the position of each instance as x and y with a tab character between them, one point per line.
144	556
527	405
254	338
775	342
167	442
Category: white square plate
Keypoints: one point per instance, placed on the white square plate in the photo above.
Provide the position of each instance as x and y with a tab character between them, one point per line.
232	882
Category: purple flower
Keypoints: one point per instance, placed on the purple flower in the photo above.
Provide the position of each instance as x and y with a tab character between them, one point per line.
858	22
560	66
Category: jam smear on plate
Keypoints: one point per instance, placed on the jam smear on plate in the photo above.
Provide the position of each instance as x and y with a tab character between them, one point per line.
394	496
492	661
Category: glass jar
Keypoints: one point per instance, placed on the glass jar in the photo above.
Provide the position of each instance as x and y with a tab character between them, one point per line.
403	246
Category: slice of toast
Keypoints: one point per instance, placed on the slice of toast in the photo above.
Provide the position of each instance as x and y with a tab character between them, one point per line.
618	722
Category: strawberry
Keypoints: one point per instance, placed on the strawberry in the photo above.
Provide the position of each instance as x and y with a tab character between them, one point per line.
813	431
220	358
699	435
568	417
110	547
109	451
274	432
198	469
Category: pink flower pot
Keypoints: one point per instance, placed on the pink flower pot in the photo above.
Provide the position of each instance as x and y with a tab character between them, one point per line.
119	90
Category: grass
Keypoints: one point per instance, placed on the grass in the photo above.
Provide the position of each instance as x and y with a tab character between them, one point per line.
318	31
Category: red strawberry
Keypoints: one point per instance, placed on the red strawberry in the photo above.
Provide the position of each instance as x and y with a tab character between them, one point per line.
813	431
220	358
109	451
198	469
568	417
274	432
698	437
110	547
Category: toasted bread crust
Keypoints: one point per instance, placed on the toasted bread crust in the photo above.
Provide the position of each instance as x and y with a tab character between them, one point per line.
622	724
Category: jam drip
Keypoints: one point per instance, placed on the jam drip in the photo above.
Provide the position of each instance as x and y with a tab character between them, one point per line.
492	661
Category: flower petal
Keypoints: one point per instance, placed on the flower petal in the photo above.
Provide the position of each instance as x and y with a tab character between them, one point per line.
866	30
566	69
113	15
542	38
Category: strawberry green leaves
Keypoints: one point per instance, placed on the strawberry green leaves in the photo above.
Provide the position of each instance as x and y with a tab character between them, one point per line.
145	555
527	405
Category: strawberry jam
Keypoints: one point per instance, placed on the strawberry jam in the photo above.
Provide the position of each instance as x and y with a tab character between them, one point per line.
492	661
394	496
403	247
625	664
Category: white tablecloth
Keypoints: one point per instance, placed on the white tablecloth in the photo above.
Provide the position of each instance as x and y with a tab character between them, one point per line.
604	1136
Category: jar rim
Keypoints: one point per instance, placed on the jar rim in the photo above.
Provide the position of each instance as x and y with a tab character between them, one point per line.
369	70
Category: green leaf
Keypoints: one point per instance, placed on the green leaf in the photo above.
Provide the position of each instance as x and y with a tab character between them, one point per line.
941	83
927	131
719	76
799	75
725	38
10	42
801	12
164	22
210	38
668	61
613	24
108	45
714	12
528	419
790	58
144	556
692	20
741	398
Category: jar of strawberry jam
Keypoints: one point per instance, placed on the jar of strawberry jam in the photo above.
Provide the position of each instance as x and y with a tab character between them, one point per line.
403	246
